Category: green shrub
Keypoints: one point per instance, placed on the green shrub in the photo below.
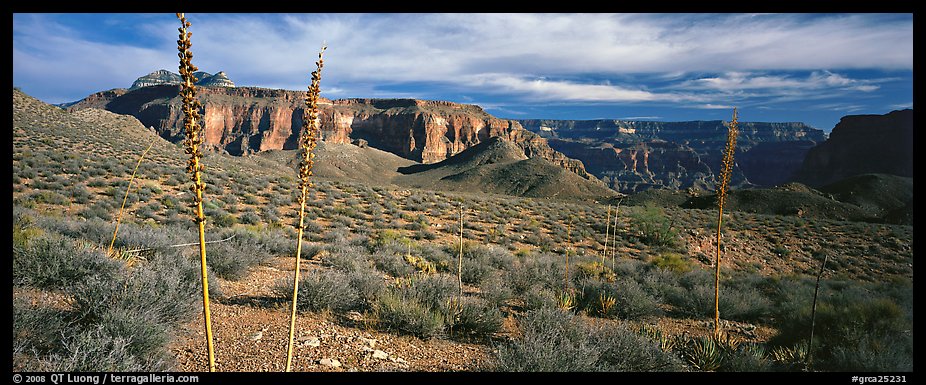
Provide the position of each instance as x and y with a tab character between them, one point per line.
474	317
858	326
653	228
673	262
394	310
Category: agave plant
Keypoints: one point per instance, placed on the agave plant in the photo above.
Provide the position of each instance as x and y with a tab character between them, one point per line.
703	353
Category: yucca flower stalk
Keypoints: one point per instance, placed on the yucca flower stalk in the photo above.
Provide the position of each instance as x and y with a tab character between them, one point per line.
307	145
607	234
193	126
726	169
617	211
460	259
126	197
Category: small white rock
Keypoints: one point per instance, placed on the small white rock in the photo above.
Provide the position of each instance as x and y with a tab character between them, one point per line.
329	362
379	354
370	342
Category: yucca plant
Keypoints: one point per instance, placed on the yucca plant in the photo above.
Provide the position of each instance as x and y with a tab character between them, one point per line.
193	126
726	169
307	145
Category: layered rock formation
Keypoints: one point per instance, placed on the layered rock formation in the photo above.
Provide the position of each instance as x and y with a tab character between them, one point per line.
218	80
162	77
637	155
248	119
862	144
157	78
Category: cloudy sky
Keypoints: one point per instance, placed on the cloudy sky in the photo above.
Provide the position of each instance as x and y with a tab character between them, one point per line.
813	68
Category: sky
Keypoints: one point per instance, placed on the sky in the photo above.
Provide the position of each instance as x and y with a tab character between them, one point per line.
811	68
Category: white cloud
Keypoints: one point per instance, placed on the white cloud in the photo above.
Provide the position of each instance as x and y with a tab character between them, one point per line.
711	106
538	57
545	90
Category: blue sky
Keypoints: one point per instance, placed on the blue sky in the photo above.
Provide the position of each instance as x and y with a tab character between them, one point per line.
813	68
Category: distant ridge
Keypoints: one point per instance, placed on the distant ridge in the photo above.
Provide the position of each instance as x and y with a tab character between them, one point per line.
163	76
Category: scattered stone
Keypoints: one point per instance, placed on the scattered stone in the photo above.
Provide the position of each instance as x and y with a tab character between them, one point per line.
329	362
310	342
354	316
370	342
379	354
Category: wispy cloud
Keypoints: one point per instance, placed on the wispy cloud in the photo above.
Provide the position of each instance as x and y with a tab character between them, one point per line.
664	60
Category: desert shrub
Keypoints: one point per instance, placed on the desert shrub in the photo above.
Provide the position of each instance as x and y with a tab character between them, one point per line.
553	340
653	228
233	259
593	270
394	309
474	317
441	259
673	262
539	297
497	257
392	263
544	269
432	290
857	326
623	350
474	271
97	210
49	197
633	302
58	262
322	290
496	291
346	258
368	283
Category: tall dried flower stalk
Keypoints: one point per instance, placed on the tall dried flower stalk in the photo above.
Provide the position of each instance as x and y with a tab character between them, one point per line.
126	197
607	234
460	260
726	169
813	312
307	144
194	139
617	211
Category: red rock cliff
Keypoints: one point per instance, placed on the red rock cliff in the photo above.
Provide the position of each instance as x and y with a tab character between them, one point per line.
247	119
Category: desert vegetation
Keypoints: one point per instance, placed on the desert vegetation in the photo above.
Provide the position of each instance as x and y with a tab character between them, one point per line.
442	280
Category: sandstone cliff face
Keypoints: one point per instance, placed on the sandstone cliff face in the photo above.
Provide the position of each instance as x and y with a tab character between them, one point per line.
246	119
862	144
637	155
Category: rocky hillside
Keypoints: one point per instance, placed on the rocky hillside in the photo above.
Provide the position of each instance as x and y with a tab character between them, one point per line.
638	155
245	120
499	166
862	144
